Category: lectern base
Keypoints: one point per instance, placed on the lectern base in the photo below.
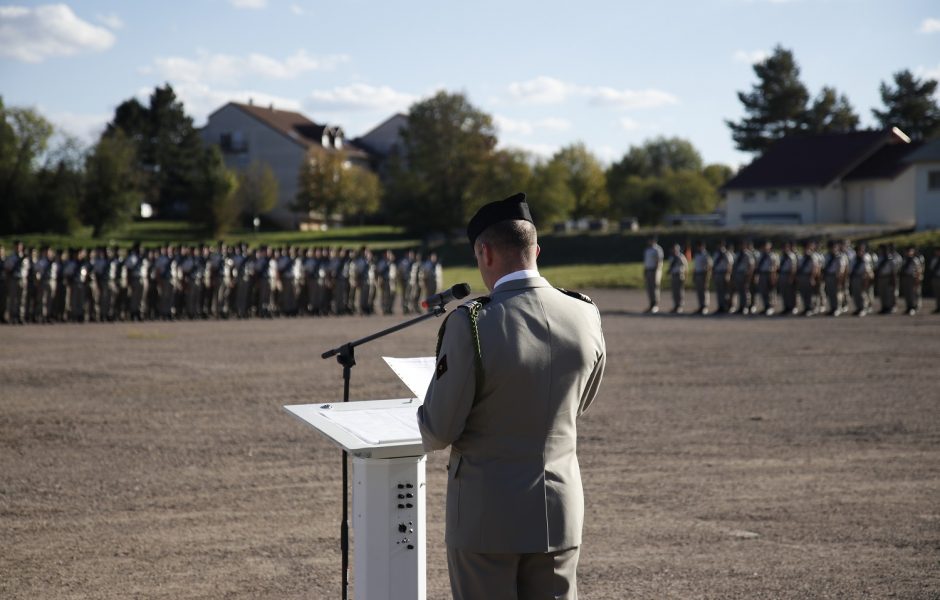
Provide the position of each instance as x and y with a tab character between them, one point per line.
389	551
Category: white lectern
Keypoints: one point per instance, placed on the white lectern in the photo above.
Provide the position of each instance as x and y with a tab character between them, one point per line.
388	492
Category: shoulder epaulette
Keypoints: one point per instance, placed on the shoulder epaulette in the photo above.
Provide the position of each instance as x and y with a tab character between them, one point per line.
578	295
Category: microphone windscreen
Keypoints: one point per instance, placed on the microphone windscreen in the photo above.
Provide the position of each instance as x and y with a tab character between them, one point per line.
461	290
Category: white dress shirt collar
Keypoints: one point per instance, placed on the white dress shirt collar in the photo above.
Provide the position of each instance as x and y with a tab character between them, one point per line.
523	274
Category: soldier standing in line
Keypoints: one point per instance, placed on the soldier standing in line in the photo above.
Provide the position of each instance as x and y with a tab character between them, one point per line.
59	311
755	256
786	278
386	276
69	277
31	307
163	280
138	279
17	267
912	276
678	267
187	279
266	273
848	252
122	293
341	283
365	273
807	276
244	275
701	273
404	280
768	267
218	280
835	272
286	279
860	277
414	282
887	273
310	288
84	277
652	272
47	278
108	284
743	275
432	277
934	274
723	265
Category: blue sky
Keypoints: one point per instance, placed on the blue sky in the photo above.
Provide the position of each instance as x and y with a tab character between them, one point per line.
611	74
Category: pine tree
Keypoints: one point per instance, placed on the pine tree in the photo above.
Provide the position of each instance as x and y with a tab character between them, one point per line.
911	106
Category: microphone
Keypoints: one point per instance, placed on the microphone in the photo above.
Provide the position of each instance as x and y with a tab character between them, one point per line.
455	293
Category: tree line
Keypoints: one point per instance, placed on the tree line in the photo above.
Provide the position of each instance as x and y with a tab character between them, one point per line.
448	163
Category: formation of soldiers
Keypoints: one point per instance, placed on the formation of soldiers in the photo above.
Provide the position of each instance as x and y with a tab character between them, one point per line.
748	280
46	285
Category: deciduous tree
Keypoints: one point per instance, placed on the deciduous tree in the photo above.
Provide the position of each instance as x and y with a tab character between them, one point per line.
111	195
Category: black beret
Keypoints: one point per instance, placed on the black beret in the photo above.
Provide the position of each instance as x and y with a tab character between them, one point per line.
513	208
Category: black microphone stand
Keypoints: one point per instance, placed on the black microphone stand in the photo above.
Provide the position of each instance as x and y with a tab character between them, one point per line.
346	356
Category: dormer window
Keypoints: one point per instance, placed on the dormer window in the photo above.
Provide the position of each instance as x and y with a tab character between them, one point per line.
325	140
338	141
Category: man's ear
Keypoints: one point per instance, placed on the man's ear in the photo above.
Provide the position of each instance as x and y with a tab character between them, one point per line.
538	250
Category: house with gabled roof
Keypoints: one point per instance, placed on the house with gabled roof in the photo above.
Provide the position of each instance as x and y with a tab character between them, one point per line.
858	177
925	162
280	138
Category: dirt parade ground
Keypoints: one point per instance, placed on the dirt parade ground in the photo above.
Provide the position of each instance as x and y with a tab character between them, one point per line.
726	457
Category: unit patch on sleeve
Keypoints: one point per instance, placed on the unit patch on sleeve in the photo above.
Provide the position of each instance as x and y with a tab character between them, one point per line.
441	366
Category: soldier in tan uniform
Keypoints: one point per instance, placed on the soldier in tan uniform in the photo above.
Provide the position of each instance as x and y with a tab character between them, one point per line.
701	273
514	372
678	267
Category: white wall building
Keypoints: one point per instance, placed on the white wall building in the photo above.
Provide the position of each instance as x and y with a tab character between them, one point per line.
280	138
925	165
859	177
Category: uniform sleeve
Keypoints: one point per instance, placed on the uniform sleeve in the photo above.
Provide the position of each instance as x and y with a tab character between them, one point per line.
450	396
594	381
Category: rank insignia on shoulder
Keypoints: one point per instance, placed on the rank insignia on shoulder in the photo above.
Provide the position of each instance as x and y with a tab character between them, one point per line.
578	295
441	367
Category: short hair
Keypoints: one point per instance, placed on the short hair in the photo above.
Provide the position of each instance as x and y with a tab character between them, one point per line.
515	235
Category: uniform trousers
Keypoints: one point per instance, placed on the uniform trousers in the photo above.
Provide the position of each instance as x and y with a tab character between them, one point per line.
887	288
766	289
787	289
807	294
678	291
833	293
701	288
722	292
858	289
549	576
651	277
910	289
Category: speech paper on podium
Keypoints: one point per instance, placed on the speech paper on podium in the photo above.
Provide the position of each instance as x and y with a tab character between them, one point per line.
378	425
416	373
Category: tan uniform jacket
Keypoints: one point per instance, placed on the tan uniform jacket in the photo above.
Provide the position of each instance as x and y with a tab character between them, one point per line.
514	485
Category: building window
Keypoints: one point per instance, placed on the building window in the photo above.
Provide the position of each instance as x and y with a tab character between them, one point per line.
771	195
933	181
233	142
750	196
796	195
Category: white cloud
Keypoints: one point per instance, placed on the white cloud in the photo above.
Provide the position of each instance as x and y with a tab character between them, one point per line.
250	4
111	21
35	34
229	69
86	127
548	90
297	9
929	73
524	127
630	99
200	99
361	96
750	57
541	90
930	25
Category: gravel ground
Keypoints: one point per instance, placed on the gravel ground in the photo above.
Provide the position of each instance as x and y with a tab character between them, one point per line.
726	457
